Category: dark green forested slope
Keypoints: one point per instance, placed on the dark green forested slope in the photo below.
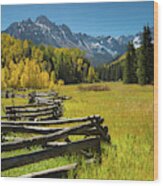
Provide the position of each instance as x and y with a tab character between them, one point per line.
135	66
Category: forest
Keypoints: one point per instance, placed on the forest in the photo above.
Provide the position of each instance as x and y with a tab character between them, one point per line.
27	65
135	66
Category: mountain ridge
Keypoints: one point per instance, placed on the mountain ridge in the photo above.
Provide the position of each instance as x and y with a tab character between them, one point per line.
100	49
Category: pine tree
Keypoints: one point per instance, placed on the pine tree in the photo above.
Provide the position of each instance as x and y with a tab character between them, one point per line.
146	59
141	71
129	74
149	56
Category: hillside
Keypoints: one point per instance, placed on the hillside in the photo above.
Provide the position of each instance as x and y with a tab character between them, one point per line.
25	64
99	50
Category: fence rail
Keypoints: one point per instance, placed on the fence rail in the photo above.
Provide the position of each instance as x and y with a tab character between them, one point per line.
53	122
45	130
56	150
59	172
42	140
34	112
32	109
33	105
43	118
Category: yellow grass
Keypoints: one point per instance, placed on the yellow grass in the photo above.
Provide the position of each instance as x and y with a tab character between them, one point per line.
128	112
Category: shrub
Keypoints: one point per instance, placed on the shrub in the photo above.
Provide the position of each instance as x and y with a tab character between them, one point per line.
60	82
94	88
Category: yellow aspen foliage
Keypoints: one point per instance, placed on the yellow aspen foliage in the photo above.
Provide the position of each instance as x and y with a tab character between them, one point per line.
13	75
60	82
53	77
3	79
91	75
25	44
21	66
79	64
37	54
51	85
6	73
13	81
24	81
44	79
30	75
36	66
12	65
25	47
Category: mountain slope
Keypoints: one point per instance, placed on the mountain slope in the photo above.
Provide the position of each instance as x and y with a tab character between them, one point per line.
98	49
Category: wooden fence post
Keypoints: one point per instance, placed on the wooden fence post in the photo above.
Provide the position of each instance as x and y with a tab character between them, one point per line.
96	121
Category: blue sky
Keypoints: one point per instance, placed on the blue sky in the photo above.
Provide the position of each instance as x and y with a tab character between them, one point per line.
123	18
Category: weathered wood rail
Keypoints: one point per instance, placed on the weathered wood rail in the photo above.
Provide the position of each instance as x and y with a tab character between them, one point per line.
90	126
43	117
42	97
42	140
46	97
34	112
53	122
44	94
56	150
33	105
59	172
31	108
45	130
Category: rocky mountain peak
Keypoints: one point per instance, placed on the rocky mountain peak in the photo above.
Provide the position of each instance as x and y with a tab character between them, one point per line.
100	49
43	20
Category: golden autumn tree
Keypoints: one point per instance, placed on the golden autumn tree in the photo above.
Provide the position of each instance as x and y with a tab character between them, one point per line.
30	76
13	75
37	66
44	79
3	79
52	80
91	75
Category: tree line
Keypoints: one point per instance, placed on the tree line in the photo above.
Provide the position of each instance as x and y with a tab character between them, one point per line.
37	66
135	66
27	65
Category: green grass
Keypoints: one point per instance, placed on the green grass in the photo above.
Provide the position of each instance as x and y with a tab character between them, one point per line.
43	165
128	112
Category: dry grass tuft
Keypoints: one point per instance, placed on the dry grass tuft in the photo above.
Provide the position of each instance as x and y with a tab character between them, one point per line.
94	88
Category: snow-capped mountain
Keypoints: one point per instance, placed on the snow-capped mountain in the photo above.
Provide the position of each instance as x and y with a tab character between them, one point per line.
99	49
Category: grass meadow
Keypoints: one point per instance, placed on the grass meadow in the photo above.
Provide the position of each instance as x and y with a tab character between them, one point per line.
127	111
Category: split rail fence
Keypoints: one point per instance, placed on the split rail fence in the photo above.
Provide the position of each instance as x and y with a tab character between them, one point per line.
34	111
43	119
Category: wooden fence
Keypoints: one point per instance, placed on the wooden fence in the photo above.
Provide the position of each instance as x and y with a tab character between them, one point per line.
90	126
42	117
46	97
35	97
51	152
59	172
45	130
34	111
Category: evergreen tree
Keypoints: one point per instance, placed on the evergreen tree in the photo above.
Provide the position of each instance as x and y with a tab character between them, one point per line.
141	71
129	74
146	59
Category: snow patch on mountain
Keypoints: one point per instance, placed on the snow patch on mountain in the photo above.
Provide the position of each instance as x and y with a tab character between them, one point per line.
137	41
43	27
99	49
